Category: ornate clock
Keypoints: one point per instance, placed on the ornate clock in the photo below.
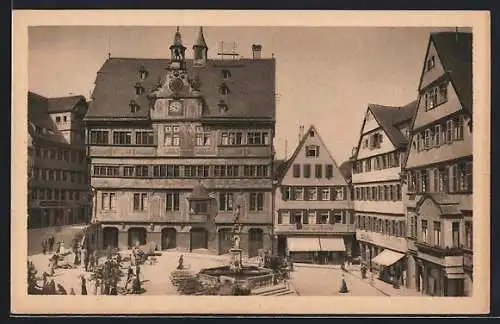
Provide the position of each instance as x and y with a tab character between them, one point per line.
176	85
175	108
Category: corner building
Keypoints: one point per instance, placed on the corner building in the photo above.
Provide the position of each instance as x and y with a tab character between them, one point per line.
439	171
378	191
176	145
58	195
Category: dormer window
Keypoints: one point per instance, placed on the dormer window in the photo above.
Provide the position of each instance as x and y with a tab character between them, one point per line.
139	89
430	63
143	73
134	107
223	108
226	74
223	89
311	133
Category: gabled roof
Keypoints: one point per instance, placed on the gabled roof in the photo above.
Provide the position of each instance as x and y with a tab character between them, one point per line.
38	116
286	165
455	52
278	166
251	87
389	118
64	104
346	170
448	205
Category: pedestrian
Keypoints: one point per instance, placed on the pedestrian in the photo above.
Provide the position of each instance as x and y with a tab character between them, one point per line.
180	264
83	284
137	270
85	257
58	248
44	246
72	291
130	274
51	243
95	258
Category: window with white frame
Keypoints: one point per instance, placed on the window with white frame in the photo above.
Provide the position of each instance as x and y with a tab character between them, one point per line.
437	233
312	150
140	201
226	201
325	193
172	201
468	235
298	193
423	238
144	138
203	136
339	193
122	137
256	201
437	135
449	131
427	138
458	129
231	138
172	135
311	193
258	138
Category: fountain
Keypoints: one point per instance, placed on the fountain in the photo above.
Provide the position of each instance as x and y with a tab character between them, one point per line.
236	272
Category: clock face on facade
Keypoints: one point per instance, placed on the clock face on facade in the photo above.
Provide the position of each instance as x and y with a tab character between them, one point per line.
175	108
176	85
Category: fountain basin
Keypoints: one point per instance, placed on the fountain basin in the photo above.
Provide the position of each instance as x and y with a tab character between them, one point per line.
250	276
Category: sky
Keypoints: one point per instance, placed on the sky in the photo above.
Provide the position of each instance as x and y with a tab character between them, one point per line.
325	76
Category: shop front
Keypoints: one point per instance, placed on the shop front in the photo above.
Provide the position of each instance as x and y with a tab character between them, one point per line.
440	279
317	250
391	267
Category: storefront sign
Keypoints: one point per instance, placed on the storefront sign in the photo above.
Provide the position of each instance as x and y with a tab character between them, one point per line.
390	242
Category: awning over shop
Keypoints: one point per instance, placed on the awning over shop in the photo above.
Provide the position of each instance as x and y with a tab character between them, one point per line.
303	244
329	244
387	258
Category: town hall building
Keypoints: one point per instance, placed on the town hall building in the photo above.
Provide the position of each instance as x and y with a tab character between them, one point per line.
181	147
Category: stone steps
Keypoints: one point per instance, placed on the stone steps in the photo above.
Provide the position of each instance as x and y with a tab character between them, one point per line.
276	290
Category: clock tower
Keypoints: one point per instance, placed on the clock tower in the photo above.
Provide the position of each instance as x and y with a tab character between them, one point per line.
177	52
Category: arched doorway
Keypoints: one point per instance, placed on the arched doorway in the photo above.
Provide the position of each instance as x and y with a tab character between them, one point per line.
199	239
168	238
225	240
255	242
110	237
137	235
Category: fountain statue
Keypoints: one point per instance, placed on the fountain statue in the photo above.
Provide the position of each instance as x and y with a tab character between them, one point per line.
235	251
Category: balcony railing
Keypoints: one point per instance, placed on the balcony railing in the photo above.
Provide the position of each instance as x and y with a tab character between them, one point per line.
321	228
439	250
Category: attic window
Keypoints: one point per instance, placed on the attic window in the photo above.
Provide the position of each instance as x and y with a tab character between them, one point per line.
223	108
143	73
223	89
134	107
139	89
311	133
312	151
226	74
430	63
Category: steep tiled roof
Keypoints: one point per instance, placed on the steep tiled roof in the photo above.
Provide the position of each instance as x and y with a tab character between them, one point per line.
455	52
38	117
251	95
278	167
286	165
346	170
63	104
390	117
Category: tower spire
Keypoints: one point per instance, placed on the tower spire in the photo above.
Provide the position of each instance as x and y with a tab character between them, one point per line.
200	49
177	51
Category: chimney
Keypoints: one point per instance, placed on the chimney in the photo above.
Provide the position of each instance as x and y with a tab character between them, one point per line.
256	51
301	132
